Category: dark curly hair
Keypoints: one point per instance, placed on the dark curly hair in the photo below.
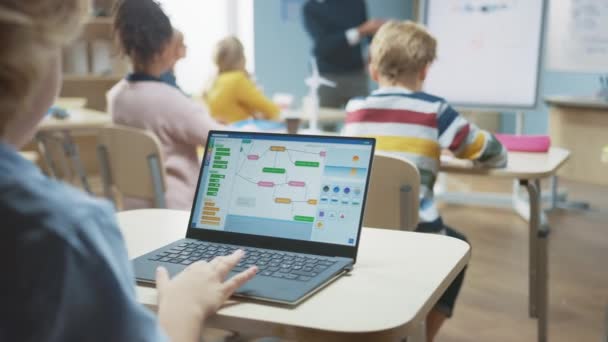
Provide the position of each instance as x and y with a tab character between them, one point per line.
142	28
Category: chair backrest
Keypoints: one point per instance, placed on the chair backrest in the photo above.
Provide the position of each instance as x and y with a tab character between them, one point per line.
393	196
57	164
131	162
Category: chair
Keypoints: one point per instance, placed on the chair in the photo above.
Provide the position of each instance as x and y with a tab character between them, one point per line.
392	199
131	163
57	150
392	203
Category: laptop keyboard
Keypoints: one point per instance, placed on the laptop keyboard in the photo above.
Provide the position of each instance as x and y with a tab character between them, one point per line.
270	263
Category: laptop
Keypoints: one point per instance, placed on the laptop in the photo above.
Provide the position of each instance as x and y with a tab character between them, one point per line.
293	203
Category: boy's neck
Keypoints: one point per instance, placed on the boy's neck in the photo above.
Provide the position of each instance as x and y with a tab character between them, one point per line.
413	85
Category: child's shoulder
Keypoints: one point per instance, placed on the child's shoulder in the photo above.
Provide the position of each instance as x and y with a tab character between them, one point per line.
421	95
395	99
233	76
160	91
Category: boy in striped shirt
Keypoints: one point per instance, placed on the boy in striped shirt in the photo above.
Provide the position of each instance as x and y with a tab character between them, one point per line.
410	123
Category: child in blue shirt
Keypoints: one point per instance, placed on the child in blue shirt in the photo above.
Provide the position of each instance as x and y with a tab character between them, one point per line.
67	273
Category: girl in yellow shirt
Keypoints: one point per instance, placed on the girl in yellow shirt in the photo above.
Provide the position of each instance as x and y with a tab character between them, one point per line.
232	95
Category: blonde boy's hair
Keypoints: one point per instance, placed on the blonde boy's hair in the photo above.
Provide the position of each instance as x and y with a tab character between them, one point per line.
229	54
30	31
401	49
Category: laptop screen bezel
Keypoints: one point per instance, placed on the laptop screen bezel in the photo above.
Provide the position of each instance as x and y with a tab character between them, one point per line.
269	242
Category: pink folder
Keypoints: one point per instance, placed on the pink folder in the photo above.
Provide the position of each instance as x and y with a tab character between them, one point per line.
525	143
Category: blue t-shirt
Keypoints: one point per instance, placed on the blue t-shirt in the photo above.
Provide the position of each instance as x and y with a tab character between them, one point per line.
66	275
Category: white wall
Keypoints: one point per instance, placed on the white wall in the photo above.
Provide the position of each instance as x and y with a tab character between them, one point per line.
203	23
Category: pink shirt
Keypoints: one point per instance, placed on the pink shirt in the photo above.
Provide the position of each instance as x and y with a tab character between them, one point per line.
180	124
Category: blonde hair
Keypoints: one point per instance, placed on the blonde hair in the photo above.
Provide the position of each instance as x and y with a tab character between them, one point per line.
30	31
402	49
229	54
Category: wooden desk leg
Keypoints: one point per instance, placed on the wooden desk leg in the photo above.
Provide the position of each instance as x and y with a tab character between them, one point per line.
542	278
538	266
533	243
543	285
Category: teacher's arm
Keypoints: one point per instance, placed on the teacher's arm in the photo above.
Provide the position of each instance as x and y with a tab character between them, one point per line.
328	42
325	42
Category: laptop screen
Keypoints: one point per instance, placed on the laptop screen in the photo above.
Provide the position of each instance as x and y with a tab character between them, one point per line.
286	186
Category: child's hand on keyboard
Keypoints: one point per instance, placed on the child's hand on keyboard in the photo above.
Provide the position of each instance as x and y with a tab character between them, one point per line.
196	293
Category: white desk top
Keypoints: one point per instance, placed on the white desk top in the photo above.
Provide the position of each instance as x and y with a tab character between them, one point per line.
396	281
71	102
577	101
326	115
80	118
521	165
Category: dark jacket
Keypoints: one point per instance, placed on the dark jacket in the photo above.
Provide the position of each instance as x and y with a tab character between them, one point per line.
326	22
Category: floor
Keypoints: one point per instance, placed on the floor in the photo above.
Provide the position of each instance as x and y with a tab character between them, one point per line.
493	302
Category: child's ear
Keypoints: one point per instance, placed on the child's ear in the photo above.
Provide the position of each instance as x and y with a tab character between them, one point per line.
168	54
373	72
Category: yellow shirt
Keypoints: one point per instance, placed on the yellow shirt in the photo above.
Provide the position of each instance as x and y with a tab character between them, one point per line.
234	97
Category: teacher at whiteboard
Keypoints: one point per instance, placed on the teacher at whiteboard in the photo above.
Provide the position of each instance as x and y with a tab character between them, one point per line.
337	28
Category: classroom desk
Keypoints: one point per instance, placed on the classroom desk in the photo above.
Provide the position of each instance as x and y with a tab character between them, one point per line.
70	102
528	169
327	116
81	120
397	280
521	165
580	124
330	116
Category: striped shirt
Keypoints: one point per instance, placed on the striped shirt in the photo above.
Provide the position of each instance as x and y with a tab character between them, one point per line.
418	126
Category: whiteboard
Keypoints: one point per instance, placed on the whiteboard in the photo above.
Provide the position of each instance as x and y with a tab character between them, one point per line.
578	35
488	52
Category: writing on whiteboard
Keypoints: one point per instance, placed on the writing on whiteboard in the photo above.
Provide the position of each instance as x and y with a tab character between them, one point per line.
488	51
578	35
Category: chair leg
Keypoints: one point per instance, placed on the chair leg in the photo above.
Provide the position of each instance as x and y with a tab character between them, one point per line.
407	216
72	151
106	176
44	150
158	181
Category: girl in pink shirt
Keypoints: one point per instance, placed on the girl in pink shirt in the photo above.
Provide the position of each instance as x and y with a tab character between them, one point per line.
143	101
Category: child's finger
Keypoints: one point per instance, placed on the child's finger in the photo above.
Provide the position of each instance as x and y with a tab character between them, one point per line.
239	280
162	277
